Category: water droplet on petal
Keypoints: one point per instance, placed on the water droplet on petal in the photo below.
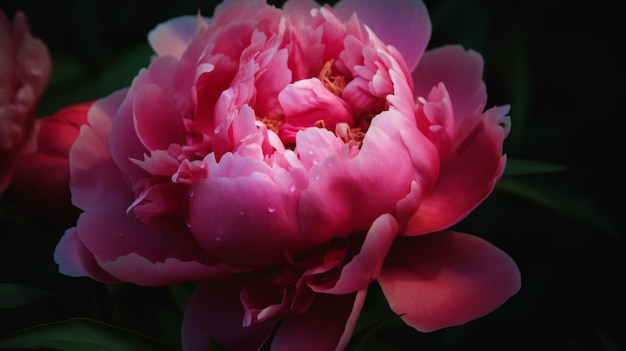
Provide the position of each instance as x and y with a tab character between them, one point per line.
190	193
310	152
292	188
218	238
217	130
317	176
241	213
271	209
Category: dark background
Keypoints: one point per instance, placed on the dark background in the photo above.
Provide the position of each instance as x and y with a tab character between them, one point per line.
558	63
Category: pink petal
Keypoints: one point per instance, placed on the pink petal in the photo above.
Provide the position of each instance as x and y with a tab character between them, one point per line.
405	24
156	120
446	278
460	71
173	37
327	325
307	102
365	266
75	260
214	310
243	216
90	152
342	186
131	251
468	175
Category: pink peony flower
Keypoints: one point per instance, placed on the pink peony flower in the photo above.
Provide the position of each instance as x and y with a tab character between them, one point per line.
286	159
25	66
48	197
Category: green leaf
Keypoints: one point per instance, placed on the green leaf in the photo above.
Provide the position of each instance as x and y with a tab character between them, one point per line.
570	204
14	295
80	334
516	167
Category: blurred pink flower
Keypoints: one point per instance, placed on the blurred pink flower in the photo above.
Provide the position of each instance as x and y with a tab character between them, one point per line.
25	66
286	159
41	178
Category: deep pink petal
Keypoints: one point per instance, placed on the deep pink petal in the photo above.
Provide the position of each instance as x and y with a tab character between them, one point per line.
460	71
241	215
155	119
344	187
405	24
446	278
365	266
327	325
214	310
173	36
468	175
75	260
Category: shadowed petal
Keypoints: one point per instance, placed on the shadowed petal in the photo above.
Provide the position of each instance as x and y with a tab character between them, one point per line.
327	325
447	278
215	310
75	260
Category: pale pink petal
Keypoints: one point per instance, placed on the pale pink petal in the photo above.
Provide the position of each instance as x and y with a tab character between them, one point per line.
308	102
173	37
364	266
327	325
75	260
405	24
460	71
446	278
214	310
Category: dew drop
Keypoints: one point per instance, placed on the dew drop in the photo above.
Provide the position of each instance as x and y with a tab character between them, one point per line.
271	209
218	238
310	152
292	188
317	176
241	213
190	193
217	130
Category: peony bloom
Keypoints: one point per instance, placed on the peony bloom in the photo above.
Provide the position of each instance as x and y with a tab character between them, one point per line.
25	66
284	159
41	178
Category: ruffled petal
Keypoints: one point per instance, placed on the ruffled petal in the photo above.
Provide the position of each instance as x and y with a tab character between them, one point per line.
214	310
446	278
344	186
405	24
327	325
